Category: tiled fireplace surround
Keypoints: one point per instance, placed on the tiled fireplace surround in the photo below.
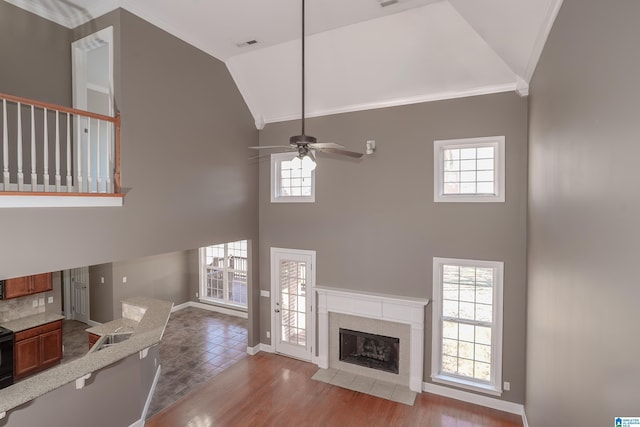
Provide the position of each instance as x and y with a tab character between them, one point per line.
388	315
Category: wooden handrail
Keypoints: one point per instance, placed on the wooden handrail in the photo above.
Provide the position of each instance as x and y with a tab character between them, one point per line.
58	107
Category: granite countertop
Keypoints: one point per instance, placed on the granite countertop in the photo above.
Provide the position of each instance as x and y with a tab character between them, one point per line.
29	322
146	333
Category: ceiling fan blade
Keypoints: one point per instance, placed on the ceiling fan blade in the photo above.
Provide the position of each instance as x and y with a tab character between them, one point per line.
322	145
342	152
270	147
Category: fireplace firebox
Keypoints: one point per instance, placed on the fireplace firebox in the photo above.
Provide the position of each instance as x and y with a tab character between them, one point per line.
370	350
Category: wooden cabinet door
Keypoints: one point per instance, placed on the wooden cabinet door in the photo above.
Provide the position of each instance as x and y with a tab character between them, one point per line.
50	348
42	283
18	287
93	338
27	356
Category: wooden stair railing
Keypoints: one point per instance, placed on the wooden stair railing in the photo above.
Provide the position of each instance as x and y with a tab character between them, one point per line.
86	145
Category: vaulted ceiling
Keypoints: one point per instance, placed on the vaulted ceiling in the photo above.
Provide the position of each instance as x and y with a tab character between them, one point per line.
360	55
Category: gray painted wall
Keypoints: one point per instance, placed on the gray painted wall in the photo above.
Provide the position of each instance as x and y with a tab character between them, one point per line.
101	294
375	226
40	57
113	396
164	277
187	170
582	340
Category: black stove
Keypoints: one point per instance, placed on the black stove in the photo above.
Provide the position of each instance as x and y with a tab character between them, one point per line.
6	357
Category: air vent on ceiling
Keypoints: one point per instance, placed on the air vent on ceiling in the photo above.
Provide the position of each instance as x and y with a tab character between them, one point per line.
247	43
385	3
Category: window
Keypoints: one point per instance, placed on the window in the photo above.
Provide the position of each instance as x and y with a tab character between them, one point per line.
467	324
469	170
288	183
223	273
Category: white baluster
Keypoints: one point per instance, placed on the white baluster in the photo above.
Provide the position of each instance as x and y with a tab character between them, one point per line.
46	178
5	146
19	140
34	173
68	165
79	152
58	178
109	171
89	189
98	175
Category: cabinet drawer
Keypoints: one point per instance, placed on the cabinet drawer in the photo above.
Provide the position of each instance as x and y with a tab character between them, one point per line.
38	330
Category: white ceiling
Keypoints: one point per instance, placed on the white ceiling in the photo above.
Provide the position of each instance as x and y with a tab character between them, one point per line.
359	54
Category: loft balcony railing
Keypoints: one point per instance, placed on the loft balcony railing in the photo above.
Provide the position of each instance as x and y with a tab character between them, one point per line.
51	150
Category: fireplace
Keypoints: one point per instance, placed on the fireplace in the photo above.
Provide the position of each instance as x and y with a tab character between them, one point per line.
369	350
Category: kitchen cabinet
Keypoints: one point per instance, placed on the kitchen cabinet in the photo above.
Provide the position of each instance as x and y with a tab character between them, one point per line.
27	285
37	349
93	338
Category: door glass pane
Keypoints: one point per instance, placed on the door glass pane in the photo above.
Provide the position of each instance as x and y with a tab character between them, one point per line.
293	297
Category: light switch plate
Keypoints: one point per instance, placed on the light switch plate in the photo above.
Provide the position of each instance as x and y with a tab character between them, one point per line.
41	301
50	300
35	302
264	293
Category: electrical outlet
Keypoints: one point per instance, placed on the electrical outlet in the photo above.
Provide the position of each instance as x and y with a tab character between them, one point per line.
41	301
507	386
50	301
35	303
268	334
101	279
124	279
197	294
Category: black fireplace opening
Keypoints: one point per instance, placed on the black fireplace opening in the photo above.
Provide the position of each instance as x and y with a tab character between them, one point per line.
370	350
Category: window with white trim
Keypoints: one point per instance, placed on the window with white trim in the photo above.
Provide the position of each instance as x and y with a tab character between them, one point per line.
467	324
469	170
290	183
223	273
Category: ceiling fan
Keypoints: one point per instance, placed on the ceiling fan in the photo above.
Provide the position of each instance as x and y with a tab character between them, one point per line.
307	145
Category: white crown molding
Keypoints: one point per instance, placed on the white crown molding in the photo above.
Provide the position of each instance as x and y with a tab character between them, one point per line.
485	90
522	87
69	21
476	399
550	17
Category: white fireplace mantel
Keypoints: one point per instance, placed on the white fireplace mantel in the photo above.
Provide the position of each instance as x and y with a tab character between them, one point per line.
374	306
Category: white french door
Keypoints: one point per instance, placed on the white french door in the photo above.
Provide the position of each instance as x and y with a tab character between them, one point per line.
292	299
80	294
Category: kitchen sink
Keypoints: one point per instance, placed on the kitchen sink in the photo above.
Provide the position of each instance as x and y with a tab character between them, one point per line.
110	340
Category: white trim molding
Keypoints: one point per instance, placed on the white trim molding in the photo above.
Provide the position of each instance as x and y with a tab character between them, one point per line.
211	307
57	201
476	399
374	306
439	148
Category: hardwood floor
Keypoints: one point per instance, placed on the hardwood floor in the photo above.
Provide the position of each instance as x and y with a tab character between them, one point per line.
272	390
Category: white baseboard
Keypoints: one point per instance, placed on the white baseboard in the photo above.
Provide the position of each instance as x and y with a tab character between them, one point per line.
267	348
252	351
465	396
181	306
525	423
93	323
211	307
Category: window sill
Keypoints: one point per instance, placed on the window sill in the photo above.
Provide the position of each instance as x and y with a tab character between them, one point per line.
471	198
293	199
466	384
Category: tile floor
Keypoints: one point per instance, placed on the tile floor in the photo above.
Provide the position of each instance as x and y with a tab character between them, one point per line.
75	341
197	345
385	390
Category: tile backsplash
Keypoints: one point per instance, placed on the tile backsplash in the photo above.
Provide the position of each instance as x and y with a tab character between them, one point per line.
18	308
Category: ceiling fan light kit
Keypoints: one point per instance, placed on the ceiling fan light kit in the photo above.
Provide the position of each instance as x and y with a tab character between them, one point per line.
307	145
